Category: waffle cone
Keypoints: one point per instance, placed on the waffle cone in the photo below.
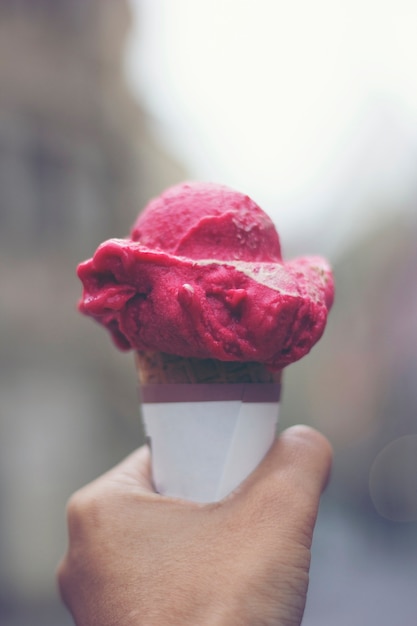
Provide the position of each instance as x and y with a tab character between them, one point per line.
161	368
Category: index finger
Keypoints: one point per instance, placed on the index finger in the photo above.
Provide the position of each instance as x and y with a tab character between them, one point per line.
134	471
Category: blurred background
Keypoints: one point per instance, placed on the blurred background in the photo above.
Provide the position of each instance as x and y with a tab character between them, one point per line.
311	109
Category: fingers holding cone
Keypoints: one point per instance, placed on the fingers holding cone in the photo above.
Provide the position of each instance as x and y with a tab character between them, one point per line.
285	488
296	468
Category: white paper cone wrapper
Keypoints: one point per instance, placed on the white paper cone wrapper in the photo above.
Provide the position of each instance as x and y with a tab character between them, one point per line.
203	449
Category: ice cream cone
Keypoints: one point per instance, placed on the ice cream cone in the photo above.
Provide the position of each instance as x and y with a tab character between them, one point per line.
202	274
209	422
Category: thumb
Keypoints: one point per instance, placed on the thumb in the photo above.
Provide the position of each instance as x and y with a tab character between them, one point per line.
299	454
292	476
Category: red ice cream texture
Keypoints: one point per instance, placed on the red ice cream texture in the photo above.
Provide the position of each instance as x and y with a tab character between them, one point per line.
202	276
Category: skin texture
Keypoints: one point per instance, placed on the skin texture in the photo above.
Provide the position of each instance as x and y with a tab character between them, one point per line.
139	559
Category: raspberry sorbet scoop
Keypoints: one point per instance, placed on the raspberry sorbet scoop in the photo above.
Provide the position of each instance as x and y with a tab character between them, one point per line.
202	276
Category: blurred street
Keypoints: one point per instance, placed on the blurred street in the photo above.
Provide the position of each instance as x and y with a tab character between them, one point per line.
80	154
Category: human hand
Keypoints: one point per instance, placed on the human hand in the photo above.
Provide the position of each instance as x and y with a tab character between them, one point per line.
136	558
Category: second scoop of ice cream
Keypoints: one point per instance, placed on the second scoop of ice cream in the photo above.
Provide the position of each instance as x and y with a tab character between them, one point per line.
202	276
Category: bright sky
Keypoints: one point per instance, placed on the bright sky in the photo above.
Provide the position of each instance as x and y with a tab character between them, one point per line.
309	107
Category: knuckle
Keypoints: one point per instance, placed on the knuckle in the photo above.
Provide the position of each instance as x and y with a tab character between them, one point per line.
80	511
62	576
76	506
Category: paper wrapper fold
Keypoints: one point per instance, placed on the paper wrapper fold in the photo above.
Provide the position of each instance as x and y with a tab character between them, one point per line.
209	422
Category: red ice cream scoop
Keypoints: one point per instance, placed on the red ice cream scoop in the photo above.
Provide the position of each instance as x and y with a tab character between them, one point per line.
202	276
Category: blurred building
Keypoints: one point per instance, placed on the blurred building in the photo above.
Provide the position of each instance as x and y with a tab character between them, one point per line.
77	162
